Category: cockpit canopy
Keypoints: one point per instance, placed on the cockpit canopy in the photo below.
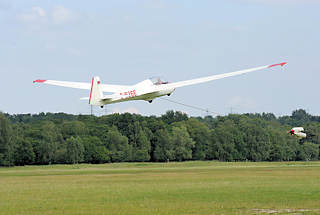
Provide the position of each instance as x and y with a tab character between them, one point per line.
158	80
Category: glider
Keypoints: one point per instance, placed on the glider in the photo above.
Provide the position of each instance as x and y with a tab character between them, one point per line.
298	131
145	90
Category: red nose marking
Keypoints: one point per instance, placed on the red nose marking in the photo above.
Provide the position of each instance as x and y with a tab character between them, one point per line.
292	132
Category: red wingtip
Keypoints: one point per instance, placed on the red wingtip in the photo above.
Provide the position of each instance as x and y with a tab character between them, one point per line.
39	81
278	64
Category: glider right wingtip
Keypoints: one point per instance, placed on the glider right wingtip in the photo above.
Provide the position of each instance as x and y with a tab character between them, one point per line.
278	64
39	81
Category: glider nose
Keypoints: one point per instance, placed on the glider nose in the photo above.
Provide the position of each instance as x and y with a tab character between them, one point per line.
291	132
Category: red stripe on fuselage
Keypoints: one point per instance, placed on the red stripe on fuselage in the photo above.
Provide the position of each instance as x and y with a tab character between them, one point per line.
91	91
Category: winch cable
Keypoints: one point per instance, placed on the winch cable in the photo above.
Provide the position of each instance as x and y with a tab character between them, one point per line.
191	106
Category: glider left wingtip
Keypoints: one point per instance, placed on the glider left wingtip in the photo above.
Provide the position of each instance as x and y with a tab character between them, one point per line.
278	64
39	81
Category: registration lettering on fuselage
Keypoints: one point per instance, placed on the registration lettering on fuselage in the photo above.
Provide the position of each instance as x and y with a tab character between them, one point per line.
128	94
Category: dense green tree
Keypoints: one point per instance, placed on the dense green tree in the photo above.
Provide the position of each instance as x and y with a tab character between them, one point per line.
308	152
4	133
164	148
75	150
224	141
142	149
171	117
73	128
300	116
6	143
44	152
269	116
24	154
140	143
257	138
66	138
182	143
48	144
61	154
118	146
200	134
313	133
283	147
4	138
95	151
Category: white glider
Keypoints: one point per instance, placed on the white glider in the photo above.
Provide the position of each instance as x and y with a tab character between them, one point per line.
145	90
298	131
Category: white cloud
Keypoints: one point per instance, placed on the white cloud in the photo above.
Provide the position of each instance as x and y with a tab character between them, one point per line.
57	15
155	4
131	110
61	15
73	51
128	18
39	11
36	14
51	46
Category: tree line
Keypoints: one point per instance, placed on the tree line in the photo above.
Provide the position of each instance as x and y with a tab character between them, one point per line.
59	138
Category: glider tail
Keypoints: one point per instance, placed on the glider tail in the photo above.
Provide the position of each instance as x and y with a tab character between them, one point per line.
96	94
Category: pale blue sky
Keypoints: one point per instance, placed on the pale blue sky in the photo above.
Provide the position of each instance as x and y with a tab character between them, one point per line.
125	42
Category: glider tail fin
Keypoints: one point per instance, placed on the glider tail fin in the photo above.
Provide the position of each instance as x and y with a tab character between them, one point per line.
96	94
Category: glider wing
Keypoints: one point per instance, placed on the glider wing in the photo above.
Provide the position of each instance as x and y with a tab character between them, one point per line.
85	86
216	77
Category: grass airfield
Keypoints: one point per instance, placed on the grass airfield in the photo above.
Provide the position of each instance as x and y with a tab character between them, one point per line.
162	188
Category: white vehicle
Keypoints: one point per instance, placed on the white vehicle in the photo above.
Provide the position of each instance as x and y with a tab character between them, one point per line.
298	131
145	90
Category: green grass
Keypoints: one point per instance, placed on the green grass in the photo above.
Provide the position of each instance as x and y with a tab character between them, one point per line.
162	188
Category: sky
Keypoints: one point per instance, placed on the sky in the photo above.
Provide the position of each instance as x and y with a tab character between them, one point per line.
127	41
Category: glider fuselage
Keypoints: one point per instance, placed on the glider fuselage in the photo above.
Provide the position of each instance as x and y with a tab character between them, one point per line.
144	90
